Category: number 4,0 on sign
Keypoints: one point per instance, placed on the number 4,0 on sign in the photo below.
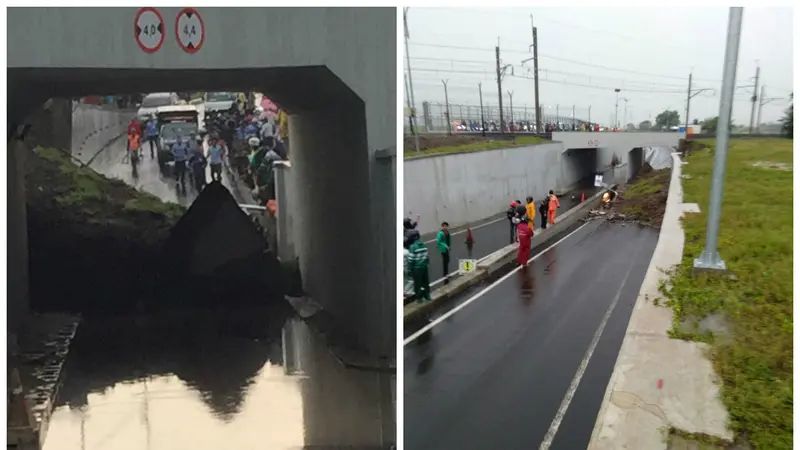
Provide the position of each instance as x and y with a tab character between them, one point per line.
190	30
148	29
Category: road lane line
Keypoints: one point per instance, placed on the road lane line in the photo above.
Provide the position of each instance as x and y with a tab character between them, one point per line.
576	380
465	230
480	294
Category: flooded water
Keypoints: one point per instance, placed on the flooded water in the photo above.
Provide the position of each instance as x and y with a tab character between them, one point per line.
215	383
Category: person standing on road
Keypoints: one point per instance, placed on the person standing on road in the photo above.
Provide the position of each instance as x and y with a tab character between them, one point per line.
443	245
151	132
180	152
510	214
524	249
215	154
198	164
551	208
530	211
543	206
409	228
418	263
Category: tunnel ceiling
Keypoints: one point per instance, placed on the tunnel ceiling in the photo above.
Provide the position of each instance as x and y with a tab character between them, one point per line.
296	89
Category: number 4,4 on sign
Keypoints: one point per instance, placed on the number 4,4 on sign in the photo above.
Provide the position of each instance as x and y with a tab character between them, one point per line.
190	30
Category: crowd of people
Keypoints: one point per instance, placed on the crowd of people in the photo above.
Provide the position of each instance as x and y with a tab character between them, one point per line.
251	138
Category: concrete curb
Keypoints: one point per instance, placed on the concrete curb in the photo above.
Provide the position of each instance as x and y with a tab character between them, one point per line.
498	261
659	382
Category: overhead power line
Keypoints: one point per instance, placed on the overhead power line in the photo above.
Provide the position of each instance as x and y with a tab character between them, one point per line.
558	58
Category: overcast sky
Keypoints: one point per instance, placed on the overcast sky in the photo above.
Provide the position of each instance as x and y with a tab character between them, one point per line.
649	51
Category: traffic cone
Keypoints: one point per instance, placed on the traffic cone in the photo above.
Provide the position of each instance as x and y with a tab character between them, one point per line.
469	240
583	197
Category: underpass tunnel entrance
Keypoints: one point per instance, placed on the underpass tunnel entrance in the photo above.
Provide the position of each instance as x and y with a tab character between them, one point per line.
578	169
330	158
635	161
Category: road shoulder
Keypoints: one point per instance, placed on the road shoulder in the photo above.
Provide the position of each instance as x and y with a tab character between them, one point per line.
659	383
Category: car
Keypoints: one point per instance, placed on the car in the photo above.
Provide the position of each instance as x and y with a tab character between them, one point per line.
180	121
151	103
219	101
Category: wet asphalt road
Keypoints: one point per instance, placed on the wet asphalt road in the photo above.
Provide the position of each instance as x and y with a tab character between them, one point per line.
112	162
494	374
493	236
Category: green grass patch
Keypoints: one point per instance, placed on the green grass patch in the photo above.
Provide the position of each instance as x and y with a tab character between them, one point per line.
646	196
475	146
755	241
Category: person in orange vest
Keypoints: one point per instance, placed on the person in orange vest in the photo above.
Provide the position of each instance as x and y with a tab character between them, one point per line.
551	208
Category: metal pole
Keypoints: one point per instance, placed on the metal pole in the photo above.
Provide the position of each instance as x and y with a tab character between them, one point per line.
710	259
499	87
754	99
688	101
616	109
410	106
573	117
625	114
511	102
410	82
536	77
483	121
447	110
590	114
760	104
557	119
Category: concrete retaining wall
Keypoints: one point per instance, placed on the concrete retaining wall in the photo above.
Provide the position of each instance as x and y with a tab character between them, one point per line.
93	127
468	187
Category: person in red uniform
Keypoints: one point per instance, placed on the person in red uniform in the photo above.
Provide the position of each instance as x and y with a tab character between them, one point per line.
525	234
135	126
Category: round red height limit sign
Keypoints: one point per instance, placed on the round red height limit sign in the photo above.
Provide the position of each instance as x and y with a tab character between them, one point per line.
148	29
190	30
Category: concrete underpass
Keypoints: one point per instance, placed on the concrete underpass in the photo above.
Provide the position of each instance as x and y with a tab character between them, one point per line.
522	358
333	70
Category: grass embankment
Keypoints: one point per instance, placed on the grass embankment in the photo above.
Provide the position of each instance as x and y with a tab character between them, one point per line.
86	196
434	145
754	356
645	198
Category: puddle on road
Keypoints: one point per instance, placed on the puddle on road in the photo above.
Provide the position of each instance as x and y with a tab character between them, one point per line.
167	386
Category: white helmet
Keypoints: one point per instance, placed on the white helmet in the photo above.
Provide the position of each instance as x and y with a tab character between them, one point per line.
254	142
259	110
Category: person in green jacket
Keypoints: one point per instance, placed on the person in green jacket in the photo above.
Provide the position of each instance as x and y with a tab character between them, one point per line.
418	264
443	245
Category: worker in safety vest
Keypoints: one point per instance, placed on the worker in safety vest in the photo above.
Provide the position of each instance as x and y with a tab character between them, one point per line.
551	208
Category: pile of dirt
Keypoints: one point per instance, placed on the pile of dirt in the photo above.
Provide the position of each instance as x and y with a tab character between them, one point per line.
436	141
644	199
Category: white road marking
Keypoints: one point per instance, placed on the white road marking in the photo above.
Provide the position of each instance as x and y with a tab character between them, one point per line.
480	294
576	380
465	230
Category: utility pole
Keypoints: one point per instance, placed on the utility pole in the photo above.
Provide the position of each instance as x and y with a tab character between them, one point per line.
590	114
483	121
688	102
410	82
625	114
616	109
754	99
558	119
536	76
499	86
410	106
763	101
447	109
511	101
710	259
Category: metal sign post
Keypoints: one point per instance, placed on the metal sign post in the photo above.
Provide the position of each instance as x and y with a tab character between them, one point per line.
710	259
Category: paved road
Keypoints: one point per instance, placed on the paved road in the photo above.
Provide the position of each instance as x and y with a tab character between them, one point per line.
112	163
493	235
495	373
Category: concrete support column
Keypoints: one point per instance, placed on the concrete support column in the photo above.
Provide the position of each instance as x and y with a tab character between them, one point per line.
51	125
339	261
18	292
286	222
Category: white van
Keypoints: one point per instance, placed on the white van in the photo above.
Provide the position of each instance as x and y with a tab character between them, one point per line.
156	100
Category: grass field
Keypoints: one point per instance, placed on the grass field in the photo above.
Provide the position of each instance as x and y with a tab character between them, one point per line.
754	357
433	145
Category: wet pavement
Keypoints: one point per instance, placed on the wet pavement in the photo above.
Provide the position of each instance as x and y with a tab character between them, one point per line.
494	235
238	383
495	374
113	163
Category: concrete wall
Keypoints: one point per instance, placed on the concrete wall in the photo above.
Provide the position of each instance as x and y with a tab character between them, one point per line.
472	186
17	291
51	125
94	126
